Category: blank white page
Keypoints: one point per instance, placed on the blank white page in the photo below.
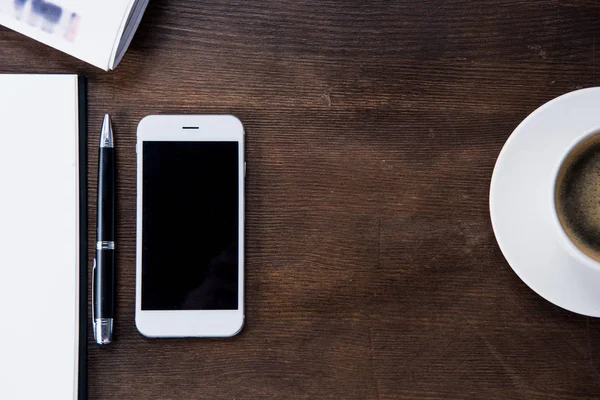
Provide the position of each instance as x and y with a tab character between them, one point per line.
39	237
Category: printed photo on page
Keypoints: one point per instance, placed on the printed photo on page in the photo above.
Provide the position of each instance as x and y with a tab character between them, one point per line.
56	18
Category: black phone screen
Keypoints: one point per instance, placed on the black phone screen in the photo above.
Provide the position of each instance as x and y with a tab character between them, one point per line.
190	219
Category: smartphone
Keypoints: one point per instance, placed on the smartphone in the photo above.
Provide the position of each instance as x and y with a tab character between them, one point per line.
190	226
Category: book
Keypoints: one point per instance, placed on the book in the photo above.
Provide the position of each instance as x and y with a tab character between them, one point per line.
98	32
43	237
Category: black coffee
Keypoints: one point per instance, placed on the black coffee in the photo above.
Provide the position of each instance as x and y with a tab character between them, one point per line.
578	196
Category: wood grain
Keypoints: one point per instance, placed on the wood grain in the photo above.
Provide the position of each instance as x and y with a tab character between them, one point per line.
372	129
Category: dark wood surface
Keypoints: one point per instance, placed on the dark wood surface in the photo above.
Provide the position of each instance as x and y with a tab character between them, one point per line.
372	131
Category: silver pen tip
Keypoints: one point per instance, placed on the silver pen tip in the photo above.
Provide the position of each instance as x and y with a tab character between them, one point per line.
106	136
103	329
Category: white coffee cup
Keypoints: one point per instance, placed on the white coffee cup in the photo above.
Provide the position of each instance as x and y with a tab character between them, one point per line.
558	173
523	206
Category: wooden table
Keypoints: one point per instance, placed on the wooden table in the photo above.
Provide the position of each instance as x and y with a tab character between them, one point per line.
372	131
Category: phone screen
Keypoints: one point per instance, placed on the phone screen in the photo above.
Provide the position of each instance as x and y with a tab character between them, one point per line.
190	219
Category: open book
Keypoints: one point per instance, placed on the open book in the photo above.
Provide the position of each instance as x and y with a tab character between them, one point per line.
95	31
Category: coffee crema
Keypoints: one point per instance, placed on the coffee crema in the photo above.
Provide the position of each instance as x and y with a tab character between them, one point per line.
577	196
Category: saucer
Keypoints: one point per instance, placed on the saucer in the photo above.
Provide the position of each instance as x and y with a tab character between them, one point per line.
521	202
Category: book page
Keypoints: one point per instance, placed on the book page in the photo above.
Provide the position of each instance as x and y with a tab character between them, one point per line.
39	237
128	30
88	30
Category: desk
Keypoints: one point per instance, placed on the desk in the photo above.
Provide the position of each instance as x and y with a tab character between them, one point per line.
372	131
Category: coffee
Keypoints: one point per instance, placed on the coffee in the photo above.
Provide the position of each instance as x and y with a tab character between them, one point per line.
577	196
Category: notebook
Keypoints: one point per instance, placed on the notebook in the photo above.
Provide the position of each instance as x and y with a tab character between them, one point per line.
43	273
98	32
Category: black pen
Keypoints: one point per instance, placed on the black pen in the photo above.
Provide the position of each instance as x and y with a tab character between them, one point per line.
103	271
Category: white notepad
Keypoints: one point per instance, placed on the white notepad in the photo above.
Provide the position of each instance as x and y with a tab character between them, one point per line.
40	237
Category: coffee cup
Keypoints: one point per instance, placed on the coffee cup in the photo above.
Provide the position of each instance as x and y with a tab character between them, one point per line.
576	199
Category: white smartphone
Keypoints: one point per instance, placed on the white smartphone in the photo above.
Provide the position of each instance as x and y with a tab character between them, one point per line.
190	226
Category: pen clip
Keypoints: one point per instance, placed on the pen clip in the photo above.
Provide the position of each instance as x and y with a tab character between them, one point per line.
93	297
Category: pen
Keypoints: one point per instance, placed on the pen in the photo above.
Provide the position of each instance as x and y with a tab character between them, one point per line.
103	269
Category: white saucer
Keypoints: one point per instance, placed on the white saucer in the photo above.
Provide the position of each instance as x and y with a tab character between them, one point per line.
521	208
